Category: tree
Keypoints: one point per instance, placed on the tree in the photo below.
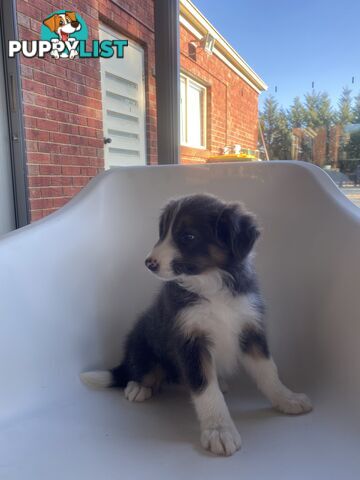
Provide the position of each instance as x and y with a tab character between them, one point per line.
276	130
325	111
296	114
353	146
268	119
356	109
283	140
345	113
317	110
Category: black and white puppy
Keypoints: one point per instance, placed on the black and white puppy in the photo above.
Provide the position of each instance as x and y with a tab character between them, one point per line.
207	318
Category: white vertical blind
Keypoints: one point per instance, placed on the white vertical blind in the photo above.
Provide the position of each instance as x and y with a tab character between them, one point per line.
183	138
192	112
195	103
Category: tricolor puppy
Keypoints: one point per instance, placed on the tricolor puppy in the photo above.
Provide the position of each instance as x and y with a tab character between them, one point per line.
208	317
63	24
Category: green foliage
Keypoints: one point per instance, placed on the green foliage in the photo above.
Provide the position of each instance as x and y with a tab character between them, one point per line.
276	130
356	109
345	113
315	111
352	148
296	114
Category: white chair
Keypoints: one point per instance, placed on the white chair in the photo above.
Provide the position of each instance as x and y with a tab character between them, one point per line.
72	284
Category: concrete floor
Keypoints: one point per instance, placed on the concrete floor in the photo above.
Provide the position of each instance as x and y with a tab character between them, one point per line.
353	194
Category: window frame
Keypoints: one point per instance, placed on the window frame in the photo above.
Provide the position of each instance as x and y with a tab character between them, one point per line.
15	113
203	88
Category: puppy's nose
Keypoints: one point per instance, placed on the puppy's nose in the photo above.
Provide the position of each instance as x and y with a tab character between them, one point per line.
75	24
152	264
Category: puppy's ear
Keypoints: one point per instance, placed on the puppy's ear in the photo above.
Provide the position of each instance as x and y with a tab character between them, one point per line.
71	15
50	23
237	229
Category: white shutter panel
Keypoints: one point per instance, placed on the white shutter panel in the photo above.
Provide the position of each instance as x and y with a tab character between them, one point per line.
123	97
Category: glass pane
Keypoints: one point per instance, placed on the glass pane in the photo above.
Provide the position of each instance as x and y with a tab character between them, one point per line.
182	110
315	129
195	115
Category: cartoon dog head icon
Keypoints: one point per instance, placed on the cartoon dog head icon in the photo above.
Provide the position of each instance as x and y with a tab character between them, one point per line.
63	24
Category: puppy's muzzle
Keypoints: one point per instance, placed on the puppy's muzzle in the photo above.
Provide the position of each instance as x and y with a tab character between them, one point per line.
152	264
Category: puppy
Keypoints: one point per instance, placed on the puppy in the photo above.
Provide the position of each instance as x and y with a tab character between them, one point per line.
63	24
208	317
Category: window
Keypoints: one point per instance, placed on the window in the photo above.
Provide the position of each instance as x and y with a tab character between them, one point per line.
192	113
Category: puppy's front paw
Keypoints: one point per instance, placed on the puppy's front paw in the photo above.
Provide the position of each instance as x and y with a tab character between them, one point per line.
222	440
135	392
294	404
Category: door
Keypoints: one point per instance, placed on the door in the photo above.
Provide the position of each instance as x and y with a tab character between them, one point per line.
7	207
123	97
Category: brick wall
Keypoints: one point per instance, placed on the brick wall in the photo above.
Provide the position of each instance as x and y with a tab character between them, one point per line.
62	99
232	105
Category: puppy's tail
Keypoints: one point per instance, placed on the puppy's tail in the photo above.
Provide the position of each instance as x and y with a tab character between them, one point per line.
117	377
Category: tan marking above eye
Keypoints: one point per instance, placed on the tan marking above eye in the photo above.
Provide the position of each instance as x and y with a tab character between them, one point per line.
217	254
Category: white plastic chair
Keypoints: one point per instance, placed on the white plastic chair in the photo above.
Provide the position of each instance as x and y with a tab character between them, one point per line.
72	284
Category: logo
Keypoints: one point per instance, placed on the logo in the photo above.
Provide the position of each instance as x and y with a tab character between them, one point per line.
64	34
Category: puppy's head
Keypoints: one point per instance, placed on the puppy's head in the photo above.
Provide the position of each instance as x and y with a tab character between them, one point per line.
64	24
200	233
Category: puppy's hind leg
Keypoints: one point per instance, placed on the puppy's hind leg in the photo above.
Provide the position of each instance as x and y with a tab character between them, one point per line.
144	377
261	367
143	390
136	392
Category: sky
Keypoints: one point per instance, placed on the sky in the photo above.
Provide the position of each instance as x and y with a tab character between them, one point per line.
293	43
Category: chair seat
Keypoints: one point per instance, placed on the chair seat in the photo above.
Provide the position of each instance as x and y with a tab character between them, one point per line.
72	285
99	434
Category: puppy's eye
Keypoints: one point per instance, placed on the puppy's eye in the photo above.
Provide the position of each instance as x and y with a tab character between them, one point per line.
188	237
61	23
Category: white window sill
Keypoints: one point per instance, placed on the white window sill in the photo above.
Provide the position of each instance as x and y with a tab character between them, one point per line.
197	147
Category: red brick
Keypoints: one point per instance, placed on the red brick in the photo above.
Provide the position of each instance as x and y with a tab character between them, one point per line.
47	125
48	102
44	78
56	181
59	202
50	169
29	85
62	102
51	191
33	134
37	158
36	215
70	170
38	203
71	191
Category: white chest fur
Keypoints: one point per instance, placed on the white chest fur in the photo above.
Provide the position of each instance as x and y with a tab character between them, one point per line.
221	317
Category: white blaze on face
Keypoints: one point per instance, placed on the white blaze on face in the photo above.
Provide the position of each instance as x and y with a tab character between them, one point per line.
67	27
164	253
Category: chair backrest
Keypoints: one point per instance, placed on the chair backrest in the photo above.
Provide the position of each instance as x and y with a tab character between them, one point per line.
72	284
